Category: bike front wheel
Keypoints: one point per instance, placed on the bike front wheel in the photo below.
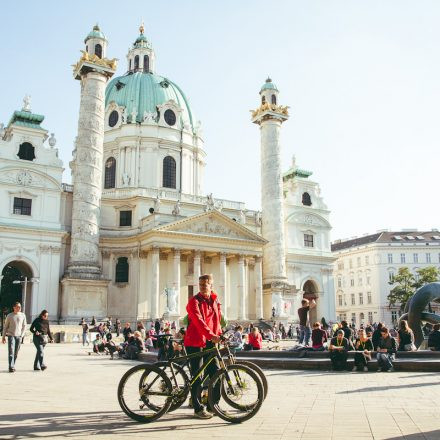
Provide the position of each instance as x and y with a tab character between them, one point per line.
236	393
145	393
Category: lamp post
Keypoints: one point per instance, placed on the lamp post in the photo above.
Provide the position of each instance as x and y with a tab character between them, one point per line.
24	288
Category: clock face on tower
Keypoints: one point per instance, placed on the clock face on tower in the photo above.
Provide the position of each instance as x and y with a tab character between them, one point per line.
170	117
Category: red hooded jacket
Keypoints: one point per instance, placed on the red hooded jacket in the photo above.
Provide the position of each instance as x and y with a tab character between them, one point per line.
204	316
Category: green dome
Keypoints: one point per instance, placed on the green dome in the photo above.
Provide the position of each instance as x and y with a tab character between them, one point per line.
268	85
95	33
144	92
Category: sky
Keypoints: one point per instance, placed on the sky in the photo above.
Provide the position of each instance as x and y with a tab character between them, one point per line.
362	80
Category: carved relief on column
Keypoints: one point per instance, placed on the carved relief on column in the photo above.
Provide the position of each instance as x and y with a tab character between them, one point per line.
155	282
241	288
176	277
258	273
197	271
222	284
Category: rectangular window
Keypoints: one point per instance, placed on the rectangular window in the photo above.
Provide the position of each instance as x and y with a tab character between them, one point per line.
368	281
353	300
341	265
124	218
416	258
428	258
339	282
350	263
359	261
390	276
353	318
308	240
367	260
352	282
394	316
361	299
369	297
402	258
359	281
390	258
340	300
22	206
370	317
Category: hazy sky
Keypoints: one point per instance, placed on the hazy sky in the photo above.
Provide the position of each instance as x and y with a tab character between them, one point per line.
362	80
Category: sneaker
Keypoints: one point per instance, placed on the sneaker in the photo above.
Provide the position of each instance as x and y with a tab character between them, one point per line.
43	367
203	414
12	370
354	368
365	369
390	370
37	369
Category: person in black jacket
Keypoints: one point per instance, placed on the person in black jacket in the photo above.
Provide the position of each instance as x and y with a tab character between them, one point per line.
376	336
434	338
41	336
339	347
386	351
347	330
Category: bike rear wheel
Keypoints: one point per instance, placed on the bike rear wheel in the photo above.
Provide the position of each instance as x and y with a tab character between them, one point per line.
242	394
145	393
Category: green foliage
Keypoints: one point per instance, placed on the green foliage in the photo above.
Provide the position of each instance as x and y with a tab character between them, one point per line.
9	292
405	284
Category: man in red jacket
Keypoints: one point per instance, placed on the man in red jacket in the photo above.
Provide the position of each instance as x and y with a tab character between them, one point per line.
203	331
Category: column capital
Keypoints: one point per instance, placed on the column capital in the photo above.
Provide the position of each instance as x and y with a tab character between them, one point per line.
197	253
241	258
258	259
155	250
176	252
222	256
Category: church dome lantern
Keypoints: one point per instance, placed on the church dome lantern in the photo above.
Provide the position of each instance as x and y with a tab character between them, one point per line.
269	93
141	57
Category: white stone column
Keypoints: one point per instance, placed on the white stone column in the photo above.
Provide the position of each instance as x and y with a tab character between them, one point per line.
133	167
87	169
272	201
222	284
197	273
258	273
176	277
155	283
241	289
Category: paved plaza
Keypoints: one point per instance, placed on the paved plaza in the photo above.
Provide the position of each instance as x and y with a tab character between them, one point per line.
76	398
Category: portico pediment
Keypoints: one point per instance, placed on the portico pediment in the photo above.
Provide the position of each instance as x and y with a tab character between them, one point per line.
211	224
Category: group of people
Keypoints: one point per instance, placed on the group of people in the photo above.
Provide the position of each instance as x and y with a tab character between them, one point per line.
14	330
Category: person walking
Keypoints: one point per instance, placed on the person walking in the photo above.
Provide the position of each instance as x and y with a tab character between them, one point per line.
304	327
42	335
363	348
386	351
204	330
14	328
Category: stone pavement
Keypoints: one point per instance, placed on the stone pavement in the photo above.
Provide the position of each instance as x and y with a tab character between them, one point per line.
76	398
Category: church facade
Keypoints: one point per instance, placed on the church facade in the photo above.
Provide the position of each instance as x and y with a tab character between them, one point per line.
133	232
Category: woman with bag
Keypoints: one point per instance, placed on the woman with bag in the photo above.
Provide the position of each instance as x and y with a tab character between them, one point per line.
405	337
363	348
42	335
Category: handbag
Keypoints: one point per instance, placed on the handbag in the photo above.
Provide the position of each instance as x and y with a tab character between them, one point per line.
410	347
44	339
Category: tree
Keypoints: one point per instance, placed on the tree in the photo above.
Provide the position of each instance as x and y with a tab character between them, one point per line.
426	275
403	288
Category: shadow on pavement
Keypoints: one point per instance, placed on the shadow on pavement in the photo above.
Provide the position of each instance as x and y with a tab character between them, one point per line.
389	387
429	435
41	425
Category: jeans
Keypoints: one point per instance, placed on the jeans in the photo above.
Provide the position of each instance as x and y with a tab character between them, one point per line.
385	360
39	356
210	370
14	343
304	334
85	338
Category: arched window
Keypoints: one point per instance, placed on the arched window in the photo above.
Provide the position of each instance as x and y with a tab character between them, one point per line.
129	64
136	62
121	273
263	100
274	99
146	64
98	50
306	200
110	173
26	151
169	173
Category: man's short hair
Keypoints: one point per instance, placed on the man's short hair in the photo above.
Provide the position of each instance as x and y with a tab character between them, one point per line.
206	276
305	302
340	332
436	327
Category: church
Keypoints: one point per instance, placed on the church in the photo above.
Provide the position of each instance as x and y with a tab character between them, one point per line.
133	232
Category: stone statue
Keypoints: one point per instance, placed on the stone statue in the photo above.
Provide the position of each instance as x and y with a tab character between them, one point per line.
415	310
242	218
278	304
26	103
171	295
258	217
2	130
133	116
124	115
176	210
209	203
52	140
157	204
125	179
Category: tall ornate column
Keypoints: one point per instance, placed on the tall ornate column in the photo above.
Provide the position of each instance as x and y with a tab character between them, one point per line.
258	273
79	296
176	277
241	289
222	284
197	257
155	299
